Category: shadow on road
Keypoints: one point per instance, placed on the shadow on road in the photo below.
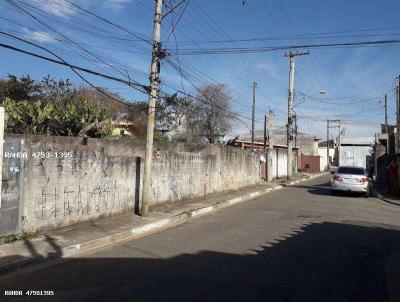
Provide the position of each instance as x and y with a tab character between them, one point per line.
324	189
318	262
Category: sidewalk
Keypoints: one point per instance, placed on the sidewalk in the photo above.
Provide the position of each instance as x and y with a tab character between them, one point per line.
83	238
383	194
295	179
388	198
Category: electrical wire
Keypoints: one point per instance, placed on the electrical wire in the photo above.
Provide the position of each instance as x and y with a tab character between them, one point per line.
217	51
137	86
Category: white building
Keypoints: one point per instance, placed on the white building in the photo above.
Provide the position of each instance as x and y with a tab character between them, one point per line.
355	151
322	157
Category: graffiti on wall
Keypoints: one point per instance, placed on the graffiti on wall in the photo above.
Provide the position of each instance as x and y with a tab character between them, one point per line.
61	202
70	189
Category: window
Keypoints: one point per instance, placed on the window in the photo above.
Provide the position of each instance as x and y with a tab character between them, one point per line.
351	170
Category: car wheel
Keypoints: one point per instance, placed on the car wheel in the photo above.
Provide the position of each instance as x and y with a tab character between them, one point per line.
333	192
366	194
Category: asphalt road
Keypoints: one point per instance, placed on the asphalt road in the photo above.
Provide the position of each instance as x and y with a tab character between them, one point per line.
295	244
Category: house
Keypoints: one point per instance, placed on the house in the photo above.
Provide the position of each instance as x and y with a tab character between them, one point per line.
307	144
304	148
279	159
122	128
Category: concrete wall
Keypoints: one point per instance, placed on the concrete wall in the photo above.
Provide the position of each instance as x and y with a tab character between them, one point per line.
309	163
96	179
103	177
183	175
322	155
279	162
354	156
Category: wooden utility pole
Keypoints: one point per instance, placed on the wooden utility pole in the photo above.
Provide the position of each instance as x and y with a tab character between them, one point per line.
253	116
291	56
154	81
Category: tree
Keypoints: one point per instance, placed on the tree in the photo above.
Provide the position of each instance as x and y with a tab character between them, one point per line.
57	107
211	118
171	111
22	88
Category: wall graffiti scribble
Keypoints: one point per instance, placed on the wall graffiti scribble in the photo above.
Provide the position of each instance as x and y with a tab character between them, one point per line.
71	190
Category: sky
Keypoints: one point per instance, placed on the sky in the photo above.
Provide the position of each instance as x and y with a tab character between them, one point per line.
355	79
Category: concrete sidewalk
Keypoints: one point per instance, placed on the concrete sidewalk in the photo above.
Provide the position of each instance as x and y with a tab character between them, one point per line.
393	200
383	194
83	238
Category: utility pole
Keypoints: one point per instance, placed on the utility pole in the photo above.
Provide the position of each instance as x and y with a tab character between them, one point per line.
265	133
154	81
253	116
295	141
386	119
291	55
398	116
339	142
386	129
295	130
265	146
328	126
327	145
270	145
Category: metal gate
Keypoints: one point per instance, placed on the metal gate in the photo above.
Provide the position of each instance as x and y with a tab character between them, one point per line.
10	213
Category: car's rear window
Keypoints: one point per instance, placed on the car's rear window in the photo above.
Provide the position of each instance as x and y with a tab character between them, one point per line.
351	170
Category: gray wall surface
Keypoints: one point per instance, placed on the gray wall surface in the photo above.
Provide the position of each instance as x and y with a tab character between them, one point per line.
354	155
102	177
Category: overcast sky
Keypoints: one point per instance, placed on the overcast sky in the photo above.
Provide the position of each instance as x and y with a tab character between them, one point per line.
355	79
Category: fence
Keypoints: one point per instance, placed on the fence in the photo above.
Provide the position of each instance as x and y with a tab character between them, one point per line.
56	181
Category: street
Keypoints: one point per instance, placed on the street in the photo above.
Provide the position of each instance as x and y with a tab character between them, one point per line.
295	244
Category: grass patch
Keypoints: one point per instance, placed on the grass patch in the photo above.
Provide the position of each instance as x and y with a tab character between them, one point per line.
23	236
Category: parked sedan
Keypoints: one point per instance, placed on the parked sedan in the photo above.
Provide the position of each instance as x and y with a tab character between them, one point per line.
350	179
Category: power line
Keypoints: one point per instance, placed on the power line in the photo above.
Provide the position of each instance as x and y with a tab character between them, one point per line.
209	23
351	96
139	87
214	51
139	36
67	39
92	57
295	31
288	37
199	91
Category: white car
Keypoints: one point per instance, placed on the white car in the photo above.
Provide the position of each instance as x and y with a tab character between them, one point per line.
350	179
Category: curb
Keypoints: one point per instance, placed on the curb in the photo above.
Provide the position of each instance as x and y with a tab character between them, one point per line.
86	247
303	179
385	200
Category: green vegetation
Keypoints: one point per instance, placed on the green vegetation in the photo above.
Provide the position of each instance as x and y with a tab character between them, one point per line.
23	236
52	107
